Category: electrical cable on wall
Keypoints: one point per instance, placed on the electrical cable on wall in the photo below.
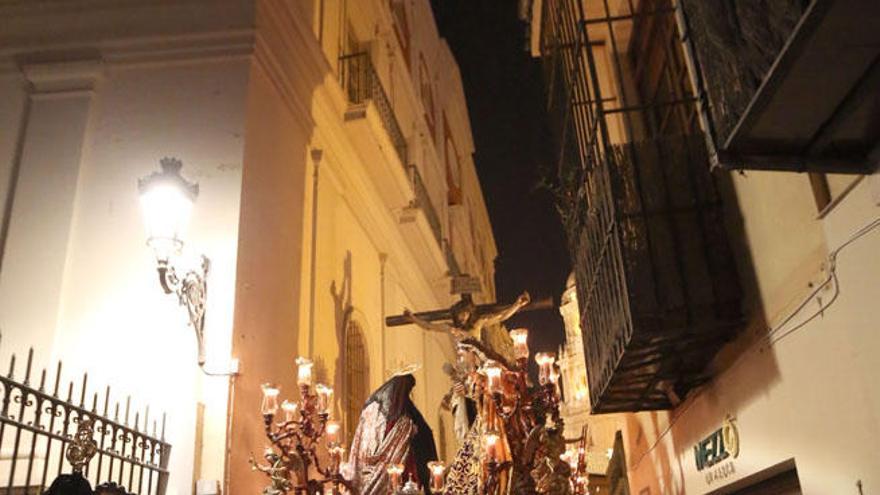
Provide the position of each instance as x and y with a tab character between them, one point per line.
832	278
769	339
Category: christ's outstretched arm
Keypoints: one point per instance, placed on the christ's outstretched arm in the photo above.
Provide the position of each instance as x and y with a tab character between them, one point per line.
501	316
426	325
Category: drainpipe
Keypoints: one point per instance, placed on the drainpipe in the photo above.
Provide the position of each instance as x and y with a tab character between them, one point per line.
317	154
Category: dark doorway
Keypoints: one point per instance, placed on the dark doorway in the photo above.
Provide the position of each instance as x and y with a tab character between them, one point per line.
786	483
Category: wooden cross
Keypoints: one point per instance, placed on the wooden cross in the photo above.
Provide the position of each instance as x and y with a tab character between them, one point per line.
479	309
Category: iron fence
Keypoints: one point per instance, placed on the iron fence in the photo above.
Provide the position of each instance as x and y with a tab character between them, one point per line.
39	423
656	280
361	84
423	202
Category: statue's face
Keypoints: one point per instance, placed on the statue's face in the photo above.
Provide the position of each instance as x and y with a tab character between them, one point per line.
462	317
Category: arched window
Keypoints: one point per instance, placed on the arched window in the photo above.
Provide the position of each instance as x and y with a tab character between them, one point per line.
357	384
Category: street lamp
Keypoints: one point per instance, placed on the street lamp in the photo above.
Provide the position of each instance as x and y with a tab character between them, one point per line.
167	200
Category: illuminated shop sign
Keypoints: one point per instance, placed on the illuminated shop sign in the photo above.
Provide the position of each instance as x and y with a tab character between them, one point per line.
721	444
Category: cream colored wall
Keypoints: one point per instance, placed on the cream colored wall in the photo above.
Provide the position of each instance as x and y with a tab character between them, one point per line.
246	119
107	314
785	394
291	296
269	287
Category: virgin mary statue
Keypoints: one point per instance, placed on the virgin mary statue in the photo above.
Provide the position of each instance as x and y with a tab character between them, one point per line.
391	431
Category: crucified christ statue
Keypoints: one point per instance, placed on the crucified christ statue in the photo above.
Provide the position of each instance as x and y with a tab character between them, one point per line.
473	327
467	320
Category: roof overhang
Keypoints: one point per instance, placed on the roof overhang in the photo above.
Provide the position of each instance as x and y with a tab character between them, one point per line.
818	108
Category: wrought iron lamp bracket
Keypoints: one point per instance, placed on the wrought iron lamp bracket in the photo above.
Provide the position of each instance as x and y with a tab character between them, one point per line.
192	293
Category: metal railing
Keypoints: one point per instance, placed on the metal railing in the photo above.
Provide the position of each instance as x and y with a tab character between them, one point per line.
451	261
39	423
656	279
423	201
361	84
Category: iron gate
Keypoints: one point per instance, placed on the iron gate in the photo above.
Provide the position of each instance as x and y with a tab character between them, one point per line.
40	421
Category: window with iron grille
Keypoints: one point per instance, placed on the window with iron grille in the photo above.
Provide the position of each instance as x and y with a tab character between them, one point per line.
656	279
357	385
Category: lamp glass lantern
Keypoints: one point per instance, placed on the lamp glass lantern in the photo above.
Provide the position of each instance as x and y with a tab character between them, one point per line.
167	201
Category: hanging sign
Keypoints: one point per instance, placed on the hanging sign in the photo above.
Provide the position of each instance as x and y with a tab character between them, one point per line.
721	445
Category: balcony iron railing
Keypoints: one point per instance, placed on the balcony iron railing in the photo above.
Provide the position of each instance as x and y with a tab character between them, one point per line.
790	84
41	420
423	201
361	84
656	279
454	267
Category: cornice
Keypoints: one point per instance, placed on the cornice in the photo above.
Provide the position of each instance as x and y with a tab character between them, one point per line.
124	31
64	78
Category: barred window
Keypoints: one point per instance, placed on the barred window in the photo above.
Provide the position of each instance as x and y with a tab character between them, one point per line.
356	386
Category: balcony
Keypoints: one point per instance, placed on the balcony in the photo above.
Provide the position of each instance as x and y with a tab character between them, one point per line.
377	135
423	202
790	85
656	279
361	85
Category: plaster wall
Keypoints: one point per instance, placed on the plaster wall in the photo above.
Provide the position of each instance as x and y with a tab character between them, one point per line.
318	245
106	314
270	263
808	398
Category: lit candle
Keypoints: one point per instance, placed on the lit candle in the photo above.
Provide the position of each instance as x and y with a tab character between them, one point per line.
554	378
394	472
520	338
491	441
437	469
570	457
332	432
336	453
325	394
545	362
581	483
492	370
269	405
304	372
289	409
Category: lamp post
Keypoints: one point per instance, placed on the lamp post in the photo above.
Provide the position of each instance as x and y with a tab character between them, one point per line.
167	200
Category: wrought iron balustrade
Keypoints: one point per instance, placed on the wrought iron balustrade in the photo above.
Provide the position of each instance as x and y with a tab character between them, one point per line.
454	267
656	279
39	423
423	202
361	84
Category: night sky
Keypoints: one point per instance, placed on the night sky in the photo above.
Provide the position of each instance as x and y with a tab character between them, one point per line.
505	97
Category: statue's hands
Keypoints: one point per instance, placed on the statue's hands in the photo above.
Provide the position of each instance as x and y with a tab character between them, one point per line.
458	389
524	299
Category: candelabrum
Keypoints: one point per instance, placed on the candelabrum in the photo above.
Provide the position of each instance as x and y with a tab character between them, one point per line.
516	414
576	458
396	486
306	425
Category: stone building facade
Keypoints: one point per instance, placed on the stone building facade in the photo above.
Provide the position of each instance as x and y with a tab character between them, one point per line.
785	401
331	143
